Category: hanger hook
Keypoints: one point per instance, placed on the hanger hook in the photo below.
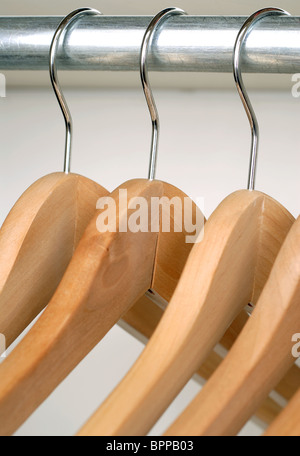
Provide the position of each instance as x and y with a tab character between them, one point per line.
147	40
241	37
54	79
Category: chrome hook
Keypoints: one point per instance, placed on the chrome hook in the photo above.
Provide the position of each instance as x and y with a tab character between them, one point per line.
241	37
147	40
54	79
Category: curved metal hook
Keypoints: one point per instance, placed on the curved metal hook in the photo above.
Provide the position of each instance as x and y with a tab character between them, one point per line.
54	79
147	40
241	37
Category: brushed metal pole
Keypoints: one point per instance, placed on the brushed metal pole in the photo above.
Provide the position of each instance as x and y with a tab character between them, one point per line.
185	43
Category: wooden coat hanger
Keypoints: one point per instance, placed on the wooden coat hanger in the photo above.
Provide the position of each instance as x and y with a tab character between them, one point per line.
288	422
37	241
260	357
143	318
224	272
40	234
108	273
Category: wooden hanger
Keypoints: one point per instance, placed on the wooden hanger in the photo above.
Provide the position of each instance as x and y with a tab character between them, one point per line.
39	236
142	319
108	273
145	311
37	241
258	360
224	272
288	422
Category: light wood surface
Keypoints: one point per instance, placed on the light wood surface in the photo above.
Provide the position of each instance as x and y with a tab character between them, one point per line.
258	360
108	273
143	318
37	241
288	422
223	273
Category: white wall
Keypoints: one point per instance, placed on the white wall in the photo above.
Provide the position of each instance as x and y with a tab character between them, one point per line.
204	150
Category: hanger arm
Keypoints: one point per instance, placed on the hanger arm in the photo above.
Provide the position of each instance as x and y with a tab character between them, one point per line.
37	241
259	358
143	318
288	422
216	284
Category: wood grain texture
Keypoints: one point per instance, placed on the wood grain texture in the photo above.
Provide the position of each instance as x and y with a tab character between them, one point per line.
267	411
289	384
258	360
37	241
223	273
288	422
108	273
142	320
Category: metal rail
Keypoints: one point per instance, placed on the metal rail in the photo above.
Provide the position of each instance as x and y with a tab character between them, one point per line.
183	43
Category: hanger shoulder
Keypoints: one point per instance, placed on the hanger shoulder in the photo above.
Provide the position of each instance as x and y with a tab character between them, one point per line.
288	422
107	272
173	247
37	241
259	358
13	232
172	252
202	307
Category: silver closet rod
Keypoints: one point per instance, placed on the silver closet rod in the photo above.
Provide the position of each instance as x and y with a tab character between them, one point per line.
183	43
